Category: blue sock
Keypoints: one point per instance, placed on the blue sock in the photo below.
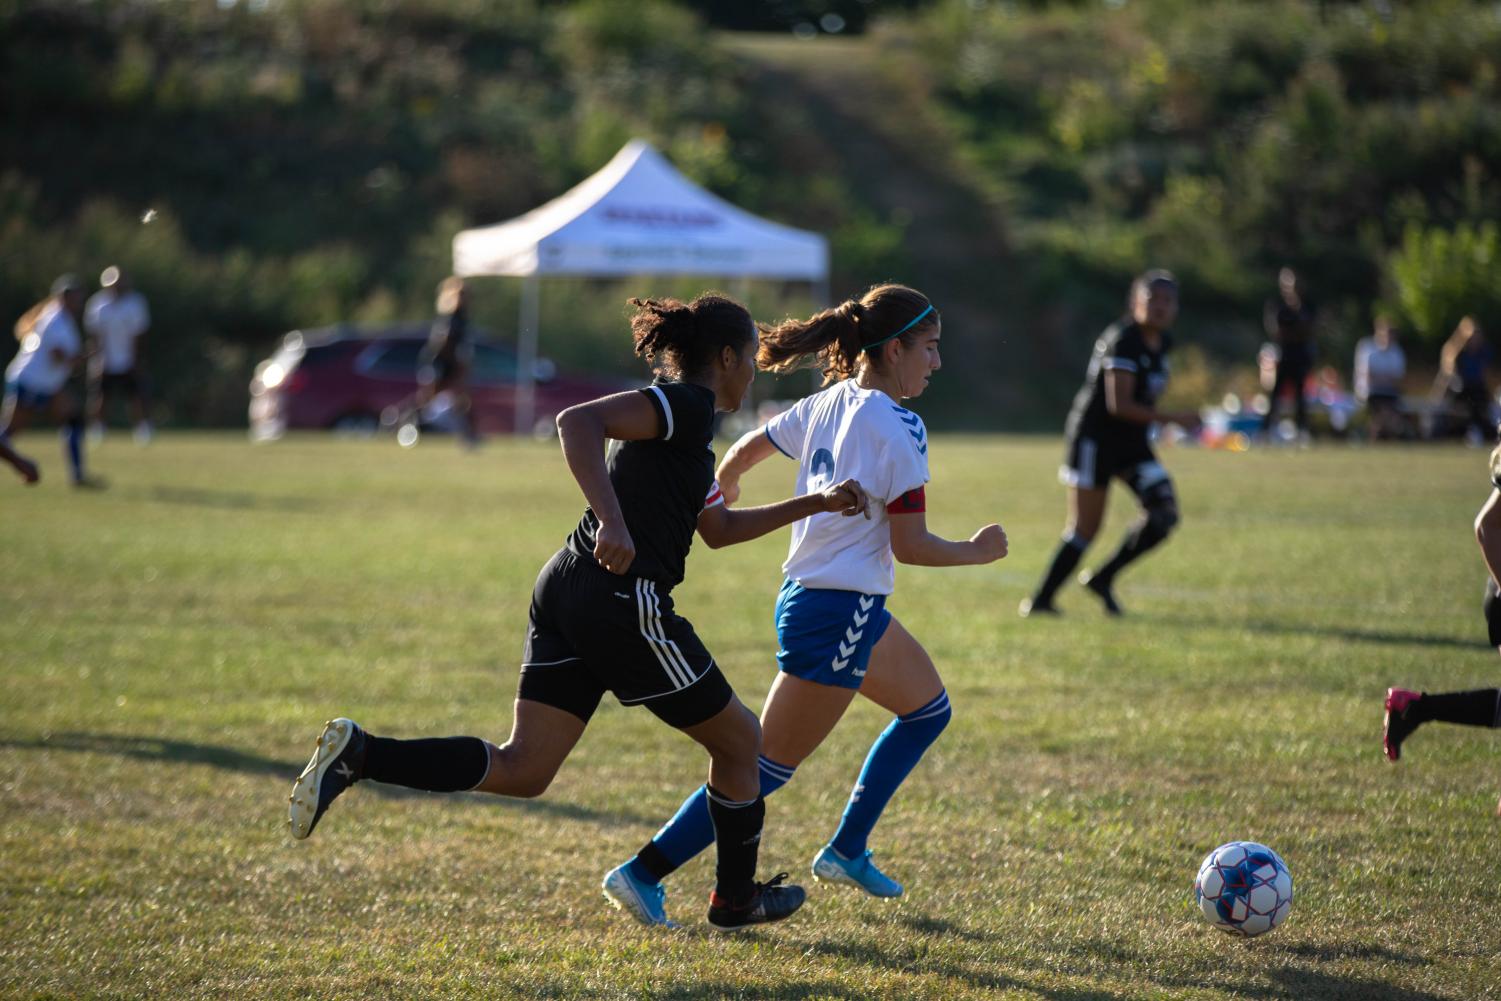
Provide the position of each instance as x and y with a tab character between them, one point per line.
690	830
892	758
73	440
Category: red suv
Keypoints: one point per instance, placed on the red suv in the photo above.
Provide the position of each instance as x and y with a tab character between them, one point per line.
344	377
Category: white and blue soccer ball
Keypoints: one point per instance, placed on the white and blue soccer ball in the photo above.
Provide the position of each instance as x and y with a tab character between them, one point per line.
1244	888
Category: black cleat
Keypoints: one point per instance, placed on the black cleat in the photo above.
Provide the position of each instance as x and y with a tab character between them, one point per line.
338	762
771	901
1101	590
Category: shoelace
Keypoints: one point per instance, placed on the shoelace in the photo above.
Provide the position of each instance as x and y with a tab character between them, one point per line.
776	880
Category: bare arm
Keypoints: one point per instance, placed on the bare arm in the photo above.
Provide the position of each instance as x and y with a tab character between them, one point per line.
751	448
721	525
914	545
1119	387
1488	534
582	431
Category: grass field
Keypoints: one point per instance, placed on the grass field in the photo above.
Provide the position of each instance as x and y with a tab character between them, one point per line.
171	646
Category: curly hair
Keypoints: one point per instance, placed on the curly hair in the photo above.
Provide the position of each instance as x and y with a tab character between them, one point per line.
681	339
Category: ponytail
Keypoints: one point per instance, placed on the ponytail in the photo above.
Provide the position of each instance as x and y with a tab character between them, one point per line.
27	323
681	339
835	340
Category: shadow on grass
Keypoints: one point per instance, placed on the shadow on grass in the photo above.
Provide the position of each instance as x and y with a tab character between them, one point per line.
1301	982
792	989
1348	634
230	500
182	752
881	954
1355	950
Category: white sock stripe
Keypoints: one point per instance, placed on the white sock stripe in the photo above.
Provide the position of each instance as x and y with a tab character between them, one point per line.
775	770
671	645
942	706
489	761
731	803
651	641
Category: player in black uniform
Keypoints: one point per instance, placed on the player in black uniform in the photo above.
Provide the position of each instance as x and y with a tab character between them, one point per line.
1107	437
1406	709
602	616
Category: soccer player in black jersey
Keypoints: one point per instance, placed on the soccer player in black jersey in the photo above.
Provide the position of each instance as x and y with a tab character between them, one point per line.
1107	436
602	616
1406	709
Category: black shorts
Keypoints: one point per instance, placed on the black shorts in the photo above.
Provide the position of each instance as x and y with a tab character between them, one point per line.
1090	463
124	383
593	632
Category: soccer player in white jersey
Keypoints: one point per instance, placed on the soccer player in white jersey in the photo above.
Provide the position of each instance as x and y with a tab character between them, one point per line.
835	635
602	615
36	378
117	319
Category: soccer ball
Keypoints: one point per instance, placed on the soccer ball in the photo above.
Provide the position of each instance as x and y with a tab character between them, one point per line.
1244	888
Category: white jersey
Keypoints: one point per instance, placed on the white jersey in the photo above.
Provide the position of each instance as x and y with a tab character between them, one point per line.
846	432
34	368
117	320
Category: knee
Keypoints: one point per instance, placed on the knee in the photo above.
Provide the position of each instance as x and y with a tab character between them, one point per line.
511	774
1163	517
738	741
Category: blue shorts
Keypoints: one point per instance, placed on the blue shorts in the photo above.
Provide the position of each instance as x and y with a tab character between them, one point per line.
826	636
28	398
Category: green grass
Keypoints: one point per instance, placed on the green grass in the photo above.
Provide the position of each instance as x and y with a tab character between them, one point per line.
171	646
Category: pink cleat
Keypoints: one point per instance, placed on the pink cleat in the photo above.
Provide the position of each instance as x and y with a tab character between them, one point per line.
1396	727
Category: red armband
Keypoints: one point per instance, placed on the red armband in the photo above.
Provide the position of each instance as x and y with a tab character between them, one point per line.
911	502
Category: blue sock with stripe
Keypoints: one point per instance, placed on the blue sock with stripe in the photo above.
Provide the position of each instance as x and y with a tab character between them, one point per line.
892	758
691	830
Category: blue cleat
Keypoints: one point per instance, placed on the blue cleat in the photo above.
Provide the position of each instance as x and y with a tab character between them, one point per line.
337	763
646	902
831	867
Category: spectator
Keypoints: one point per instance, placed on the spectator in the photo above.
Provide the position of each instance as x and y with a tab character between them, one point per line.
1462	374
1380	367
1289	322
117	319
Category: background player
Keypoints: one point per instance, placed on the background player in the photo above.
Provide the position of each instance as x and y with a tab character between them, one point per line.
602	616
835	636
117	318
1108	435
36	378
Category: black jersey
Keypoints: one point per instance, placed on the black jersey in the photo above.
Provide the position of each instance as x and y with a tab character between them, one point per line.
1121	347
662	483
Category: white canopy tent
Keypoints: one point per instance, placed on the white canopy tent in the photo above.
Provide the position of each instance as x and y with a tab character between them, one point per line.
636	216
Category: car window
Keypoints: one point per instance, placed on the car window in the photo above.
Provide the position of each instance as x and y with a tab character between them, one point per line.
493	364
399	358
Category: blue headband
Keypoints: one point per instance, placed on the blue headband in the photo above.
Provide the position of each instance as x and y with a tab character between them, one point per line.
910	324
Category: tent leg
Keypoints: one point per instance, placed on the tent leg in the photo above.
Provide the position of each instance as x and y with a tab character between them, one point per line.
526	354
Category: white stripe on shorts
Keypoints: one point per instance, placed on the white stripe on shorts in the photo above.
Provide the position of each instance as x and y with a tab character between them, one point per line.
645	615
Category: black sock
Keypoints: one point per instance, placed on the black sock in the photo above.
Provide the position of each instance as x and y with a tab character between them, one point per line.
737	833
655	861
1067	556
437	764
1142	537
1481	707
